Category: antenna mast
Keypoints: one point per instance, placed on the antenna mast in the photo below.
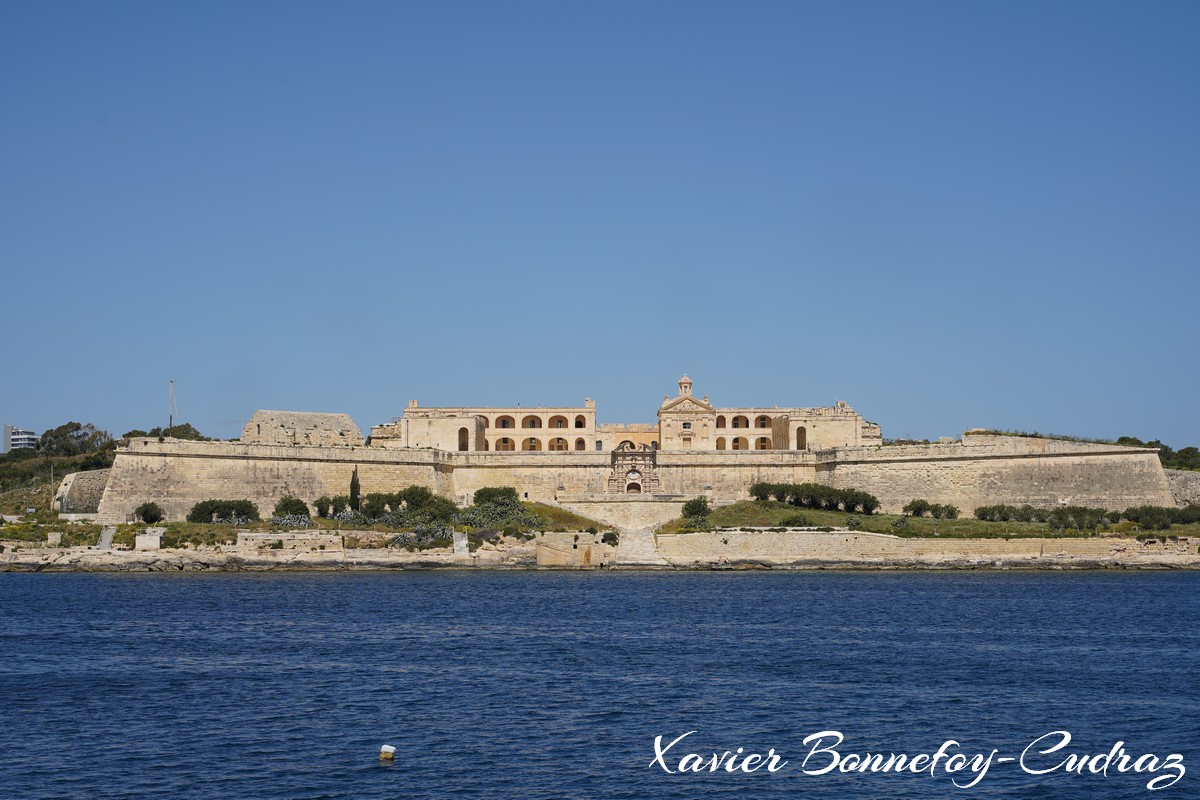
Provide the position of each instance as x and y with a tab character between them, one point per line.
171	413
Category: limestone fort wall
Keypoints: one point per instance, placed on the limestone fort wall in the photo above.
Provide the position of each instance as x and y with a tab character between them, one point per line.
981	470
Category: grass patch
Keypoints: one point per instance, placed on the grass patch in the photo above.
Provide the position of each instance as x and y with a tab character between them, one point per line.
560	519
773	514
37	495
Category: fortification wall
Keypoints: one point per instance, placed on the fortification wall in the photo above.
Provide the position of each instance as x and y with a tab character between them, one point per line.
177	474
1002	469
536	475
730	472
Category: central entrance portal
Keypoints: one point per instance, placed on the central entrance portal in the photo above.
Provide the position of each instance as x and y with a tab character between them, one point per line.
633	469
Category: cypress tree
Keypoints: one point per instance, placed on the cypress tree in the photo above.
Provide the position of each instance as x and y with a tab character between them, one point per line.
355	502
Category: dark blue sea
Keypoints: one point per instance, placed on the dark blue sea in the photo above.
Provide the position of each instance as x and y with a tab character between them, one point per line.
555	685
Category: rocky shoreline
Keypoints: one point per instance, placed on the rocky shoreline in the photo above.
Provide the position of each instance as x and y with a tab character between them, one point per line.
533	557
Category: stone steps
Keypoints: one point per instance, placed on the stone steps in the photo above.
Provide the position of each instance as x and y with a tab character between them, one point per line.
639	548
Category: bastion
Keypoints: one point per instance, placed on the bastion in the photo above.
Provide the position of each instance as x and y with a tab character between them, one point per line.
634	476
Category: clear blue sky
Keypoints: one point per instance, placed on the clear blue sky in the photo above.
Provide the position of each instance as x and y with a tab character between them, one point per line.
948	214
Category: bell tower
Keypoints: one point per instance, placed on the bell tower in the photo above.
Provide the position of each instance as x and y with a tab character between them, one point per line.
685	386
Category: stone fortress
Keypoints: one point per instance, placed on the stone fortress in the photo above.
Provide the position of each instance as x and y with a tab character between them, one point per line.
631	476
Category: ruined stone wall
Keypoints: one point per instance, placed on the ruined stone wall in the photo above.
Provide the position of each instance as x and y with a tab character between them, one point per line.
302	428
80	492
1185	486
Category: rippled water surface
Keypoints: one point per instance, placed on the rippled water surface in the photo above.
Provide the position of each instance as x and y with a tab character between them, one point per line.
554	685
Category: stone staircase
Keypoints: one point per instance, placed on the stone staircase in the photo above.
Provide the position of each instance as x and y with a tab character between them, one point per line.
637	548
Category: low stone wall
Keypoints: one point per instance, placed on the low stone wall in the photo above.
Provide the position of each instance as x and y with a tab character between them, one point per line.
290	540
573	550
716	548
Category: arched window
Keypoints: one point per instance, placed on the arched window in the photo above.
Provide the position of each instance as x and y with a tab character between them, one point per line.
720	422
485	445
720	442
762	421
633	488
762	443
558	444
741	422
464	439
505	443
505	422
740	443
531	422
558	422
580	444
531	444
580	421
801	438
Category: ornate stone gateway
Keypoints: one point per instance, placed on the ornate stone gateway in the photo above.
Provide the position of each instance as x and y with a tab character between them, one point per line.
634	470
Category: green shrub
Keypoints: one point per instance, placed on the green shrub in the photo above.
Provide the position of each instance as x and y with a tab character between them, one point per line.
760	491
796	521
291	507
696	508
495	495
223	511
917	508
611	538
323	505
149	513
374	505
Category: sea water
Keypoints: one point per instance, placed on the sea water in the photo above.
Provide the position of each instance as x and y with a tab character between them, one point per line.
569	685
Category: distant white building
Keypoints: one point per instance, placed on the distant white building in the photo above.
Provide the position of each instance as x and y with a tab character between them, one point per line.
16	438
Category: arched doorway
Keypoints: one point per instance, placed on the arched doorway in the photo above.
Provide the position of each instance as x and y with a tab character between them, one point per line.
720	442
633	488
801	438
464	439
531	444
580	444
558	444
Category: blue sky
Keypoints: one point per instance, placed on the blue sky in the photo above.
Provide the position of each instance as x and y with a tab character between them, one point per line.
948	214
